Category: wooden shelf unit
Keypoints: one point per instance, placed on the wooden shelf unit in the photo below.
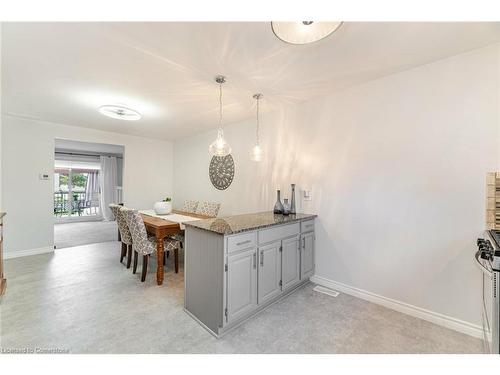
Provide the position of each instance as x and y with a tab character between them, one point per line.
493	200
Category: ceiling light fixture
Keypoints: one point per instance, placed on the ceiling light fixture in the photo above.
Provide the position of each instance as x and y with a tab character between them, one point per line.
303	32
220	147
120	112
256	149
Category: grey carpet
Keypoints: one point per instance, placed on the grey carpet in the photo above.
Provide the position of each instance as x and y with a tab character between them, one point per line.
83	300
83	233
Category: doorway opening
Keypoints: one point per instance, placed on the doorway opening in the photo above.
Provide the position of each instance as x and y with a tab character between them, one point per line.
87	178
76	190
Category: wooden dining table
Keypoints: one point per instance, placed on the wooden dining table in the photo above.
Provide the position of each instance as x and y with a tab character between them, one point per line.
161	228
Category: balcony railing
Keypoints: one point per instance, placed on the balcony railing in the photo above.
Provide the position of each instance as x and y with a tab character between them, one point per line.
77	204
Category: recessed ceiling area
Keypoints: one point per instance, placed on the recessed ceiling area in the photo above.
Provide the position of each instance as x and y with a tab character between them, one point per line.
63	72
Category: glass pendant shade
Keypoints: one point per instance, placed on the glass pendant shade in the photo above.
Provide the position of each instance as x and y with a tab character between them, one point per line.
219	147
256	153
303	32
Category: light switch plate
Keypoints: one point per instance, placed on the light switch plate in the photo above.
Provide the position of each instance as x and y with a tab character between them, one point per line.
306	194
44	176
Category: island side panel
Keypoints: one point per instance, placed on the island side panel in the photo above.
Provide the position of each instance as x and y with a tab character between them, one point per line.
203	279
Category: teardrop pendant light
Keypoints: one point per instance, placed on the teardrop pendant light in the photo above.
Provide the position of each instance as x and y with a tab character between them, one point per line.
256	149
220	147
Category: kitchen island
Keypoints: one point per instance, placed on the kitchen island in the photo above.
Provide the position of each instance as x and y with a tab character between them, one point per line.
236	266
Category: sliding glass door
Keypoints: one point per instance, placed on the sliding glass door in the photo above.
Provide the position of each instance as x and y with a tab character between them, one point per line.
76	192
62	192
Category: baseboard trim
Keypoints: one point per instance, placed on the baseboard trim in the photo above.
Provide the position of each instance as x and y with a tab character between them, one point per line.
28	252
405	308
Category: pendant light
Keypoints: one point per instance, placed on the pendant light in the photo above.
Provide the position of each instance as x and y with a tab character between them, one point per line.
256	149
220	147
303	32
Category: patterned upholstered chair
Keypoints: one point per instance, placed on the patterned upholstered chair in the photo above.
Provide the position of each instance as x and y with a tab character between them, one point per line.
145	245
208	209
190	206
125	235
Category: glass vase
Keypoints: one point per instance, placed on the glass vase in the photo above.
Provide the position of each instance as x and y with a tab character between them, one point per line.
292	204
278	207
286	207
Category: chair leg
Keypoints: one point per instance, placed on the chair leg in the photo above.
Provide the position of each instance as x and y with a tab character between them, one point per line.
144	267
129	255
134	269
176	259
124	250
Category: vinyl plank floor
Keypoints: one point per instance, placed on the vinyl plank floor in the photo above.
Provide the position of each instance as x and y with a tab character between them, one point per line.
83	300
85	232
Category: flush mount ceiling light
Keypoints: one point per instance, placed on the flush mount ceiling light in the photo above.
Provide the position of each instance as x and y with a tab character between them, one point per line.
220	147
120	112
303	32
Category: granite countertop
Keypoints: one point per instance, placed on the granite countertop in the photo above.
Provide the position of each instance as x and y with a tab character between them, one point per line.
246	222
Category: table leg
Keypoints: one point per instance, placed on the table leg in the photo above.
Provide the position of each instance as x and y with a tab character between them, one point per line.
159	260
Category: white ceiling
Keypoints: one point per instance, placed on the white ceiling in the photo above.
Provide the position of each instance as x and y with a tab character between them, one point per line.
62	72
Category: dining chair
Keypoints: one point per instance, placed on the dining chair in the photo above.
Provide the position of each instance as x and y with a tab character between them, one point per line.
145	245
208	209
190	206
125	236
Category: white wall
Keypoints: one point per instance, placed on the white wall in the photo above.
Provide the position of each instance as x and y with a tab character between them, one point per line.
1	176
397	172
28	149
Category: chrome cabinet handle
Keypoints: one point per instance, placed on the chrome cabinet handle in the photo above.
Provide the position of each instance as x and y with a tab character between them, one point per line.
262	258
254	260
242	243
303	242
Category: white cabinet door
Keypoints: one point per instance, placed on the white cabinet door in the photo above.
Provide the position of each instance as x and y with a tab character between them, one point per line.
241	284
269	271
290	260
307	256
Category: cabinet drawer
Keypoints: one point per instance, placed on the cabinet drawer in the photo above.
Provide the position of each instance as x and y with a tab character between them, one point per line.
241	242
307	226
278	233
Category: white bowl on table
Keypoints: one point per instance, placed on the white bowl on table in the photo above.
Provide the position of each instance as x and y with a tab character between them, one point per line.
162	208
